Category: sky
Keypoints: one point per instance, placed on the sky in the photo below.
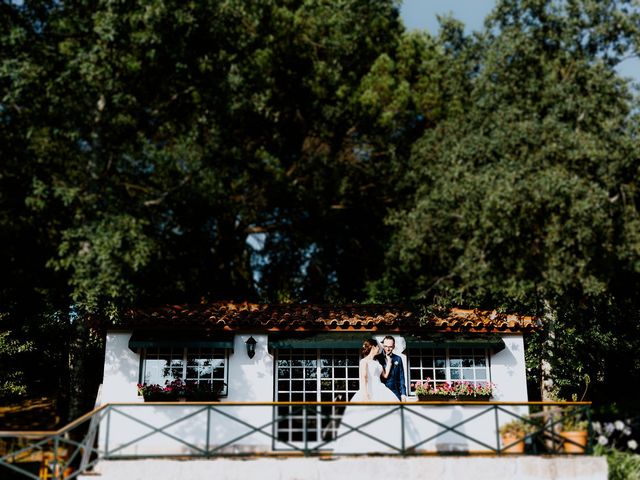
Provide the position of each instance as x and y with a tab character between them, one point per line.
421	15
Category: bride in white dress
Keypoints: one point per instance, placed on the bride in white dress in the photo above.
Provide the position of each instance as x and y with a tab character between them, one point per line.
373	428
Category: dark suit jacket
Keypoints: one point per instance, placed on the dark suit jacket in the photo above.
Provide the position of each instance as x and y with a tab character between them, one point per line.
395	380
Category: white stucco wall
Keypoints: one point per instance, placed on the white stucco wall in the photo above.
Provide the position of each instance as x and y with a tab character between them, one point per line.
121	370
508	371
408	468
252	380
509	374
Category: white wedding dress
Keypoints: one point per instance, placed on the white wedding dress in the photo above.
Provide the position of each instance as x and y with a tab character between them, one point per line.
379	427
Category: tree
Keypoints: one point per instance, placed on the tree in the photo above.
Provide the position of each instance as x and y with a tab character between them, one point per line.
530	197
143	143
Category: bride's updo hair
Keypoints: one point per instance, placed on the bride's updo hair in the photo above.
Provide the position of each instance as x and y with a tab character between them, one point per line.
368	344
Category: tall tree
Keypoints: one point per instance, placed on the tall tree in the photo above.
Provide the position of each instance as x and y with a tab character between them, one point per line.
145	142
529	199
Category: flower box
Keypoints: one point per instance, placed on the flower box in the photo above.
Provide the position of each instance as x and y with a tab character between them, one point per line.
178	391
159	397
435	398
453	398
456	391
473	398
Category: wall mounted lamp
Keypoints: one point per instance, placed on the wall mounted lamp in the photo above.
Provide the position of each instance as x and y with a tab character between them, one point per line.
251	347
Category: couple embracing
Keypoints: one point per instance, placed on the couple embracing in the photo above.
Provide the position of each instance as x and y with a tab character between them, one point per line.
376	428
383	365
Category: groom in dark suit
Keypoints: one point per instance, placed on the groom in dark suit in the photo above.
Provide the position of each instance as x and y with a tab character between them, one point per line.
395	379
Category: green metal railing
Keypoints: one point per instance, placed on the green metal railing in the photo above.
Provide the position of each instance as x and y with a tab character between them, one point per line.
74	449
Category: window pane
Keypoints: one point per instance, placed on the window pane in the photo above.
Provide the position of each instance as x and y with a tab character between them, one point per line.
154	371
463	364
202	366
331	367
467	374
353	361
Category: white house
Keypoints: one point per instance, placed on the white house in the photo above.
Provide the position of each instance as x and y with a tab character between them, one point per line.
303	353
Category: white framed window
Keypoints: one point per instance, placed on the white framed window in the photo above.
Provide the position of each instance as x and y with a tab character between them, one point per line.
313	375
450	365
202	366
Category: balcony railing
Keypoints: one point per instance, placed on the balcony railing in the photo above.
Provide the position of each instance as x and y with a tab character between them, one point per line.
212	429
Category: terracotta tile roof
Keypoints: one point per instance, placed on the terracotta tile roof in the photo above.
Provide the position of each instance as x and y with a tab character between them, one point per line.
313	317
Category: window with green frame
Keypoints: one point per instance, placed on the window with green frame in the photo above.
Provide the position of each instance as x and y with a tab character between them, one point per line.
441	365
202	366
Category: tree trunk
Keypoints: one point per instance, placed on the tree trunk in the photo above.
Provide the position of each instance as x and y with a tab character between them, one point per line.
547	385
548	391
78	351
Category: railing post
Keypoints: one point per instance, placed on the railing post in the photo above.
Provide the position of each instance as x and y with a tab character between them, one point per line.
305	431
106	440
55	468
206	446
498	446
402	439
589	431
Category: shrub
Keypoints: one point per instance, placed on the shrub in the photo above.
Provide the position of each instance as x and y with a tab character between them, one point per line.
622	465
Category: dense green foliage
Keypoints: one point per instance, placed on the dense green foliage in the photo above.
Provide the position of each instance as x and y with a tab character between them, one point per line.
301	150
623	465
528	198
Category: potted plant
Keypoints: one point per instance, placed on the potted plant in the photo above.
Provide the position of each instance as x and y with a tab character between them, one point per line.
426	391
513	433
574	431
